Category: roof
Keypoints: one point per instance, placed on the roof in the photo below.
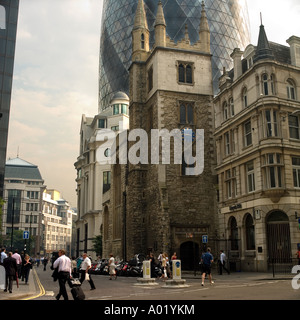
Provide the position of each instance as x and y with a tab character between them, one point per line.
20	169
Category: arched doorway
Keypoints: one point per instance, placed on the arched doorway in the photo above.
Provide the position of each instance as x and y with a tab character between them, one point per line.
278	237
189	255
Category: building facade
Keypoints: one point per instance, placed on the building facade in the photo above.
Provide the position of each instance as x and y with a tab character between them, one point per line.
94	169
8	30
228	21
158	205
23	190
56	223
258	154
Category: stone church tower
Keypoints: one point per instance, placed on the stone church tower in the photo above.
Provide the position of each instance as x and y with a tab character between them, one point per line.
170	88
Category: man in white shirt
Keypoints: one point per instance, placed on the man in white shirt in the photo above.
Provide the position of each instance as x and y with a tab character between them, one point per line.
84	269
223	262
63	263
3	255
19	262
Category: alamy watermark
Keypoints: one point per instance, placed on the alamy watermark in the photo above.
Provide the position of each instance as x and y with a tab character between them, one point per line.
184	141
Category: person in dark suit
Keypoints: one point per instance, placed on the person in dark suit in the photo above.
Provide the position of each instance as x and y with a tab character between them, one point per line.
10	265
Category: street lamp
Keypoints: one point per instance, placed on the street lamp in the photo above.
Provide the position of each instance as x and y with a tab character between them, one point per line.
12	224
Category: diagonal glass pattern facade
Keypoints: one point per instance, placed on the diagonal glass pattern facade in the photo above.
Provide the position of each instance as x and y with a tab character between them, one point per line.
8	29
228	21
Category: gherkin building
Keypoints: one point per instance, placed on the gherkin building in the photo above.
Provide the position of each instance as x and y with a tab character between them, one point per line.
229	27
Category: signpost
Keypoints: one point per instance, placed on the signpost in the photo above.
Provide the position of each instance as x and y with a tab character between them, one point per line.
25	235
205	239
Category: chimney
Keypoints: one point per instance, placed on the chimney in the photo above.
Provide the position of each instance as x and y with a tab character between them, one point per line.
294	43
237	62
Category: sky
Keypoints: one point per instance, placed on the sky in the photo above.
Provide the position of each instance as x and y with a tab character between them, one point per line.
56	78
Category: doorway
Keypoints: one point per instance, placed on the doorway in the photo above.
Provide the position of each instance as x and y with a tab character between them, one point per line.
189	255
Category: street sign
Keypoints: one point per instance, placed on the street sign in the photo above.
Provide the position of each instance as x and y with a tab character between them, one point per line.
205	239
25	235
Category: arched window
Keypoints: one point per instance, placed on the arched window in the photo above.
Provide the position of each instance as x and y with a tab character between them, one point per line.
189	74
234	234
181	73
291	90
245	98
250	233
143	41
225	111
265	85
2	18
231	106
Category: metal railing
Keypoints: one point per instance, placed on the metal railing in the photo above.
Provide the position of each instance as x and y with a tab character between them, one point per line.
283	266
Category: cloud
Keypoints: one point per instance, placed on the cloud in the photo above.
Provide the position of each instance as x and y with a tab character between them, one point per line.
55	82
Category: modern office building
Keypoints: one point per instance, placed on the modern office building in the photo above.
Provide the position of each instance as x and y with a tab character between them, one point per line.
228	22
8	29
23	190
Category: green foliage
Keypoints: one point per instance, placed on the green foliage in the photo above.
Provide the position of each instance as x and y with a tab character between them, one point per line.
97	242
18	242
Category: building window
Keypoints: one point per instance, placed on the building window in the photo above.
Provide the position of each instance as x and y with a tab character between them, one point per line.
272	170
231	107
124	109
291	90
250	176
234	234
247	133
231	185
250	233
150	79
115	128
142	41
229	142
106	181
296	171
270	123
116	109
265	85
185	73
225	111
272	82
245	98
101	123
186	113
294	127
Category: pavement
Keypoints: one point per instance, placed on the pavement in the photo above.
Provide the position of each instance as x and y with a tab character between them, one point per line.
25	291
34	288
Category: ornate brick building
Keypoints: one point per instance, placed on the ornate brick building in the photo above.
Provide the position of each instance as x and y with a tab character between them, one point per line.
159	207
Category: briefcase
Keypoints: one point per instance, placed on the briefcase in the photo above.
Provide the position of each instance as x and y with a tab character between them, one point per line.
74	282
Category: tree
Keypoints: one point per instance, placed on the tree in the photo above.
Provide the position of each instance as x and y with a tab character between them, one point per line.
97	242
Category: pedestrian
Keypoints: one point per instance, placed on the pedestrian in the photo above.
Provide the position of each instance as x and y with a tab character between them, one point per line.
19	262
207	259
164	267
45	262
174	256
84	271
3	255
298	255
74	267
11	270
112	267
223	262
160	258
152	266
26	267
63	265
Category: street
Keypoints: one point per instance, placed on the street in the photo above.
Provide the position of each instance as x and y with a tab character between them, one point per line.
236	286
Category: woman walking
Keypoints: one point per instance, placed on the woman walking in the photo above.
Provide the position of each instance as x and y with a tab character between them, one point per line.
27	266
112	267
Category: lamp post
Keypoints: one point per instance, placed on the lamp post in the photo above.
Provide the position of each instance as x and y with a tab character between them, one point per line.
12	224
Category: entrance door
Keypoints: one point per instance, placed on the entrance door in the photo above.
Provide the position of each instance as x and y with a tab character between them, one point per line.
189	255
278	237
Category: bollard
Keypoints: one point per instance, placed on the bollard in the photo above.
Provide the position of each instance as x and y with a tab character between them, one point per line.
146	269
2	277
176	269
146	280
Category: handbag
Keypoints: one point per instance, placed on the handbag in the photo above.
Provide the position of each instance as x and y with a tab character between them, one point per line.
87	276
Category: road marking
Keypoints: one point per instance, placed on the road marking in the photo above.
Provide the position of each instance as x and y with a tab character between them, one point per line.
42	290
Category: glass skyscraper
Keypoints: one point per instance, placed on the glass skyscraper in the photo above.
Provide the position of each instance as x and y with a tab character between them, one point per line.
9	10
228	21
